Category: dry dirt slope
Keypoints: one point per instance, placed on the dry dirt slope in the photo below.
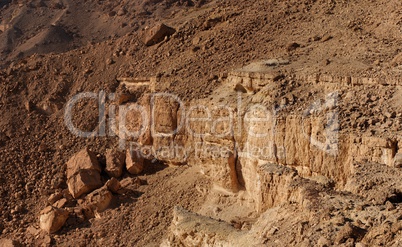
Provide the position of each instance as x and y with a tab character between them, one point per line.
51	50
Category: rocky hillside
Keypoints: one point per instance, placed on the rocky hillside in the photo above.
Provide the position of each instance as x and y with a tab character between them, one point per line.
271	123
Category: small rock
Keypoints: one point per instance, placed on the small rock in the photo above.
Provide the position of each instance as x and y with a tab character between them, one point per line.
8	243
29	106
97	202
114	163
121	12
292	46
130	183
344	233
113	185
326	38
54	197
398	160
60	203
52	219
323	242
134	162
157	34
389	206
109	61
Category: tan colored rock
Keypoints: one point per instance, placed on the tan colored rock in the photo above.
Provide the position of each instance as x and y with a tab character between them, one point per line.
52	219
114	163
398	160
7	243
84	182
113	185
60	203
54	197
157	34
83	160
134	162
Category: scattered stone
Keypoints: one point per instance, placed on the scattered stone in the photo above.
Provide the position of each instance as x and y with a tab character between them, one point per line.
323	242
114	163
52	219
109	61
130	182
29	106
349	233
389	206
398	160
54	197
344	233
121	12
326	38
157	34
134	162
97	202
60	203
113	185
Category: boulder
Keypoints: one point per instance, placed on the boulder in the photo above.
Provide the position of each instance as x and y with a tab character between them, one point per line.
83	160
97	201
83	173
134	162
84	182
114	163
157	34
52	219
113	185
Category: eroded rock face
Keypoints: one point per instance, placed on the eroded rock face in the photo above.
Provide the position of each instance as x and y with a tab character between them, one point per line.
114	163
83	173
52	219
